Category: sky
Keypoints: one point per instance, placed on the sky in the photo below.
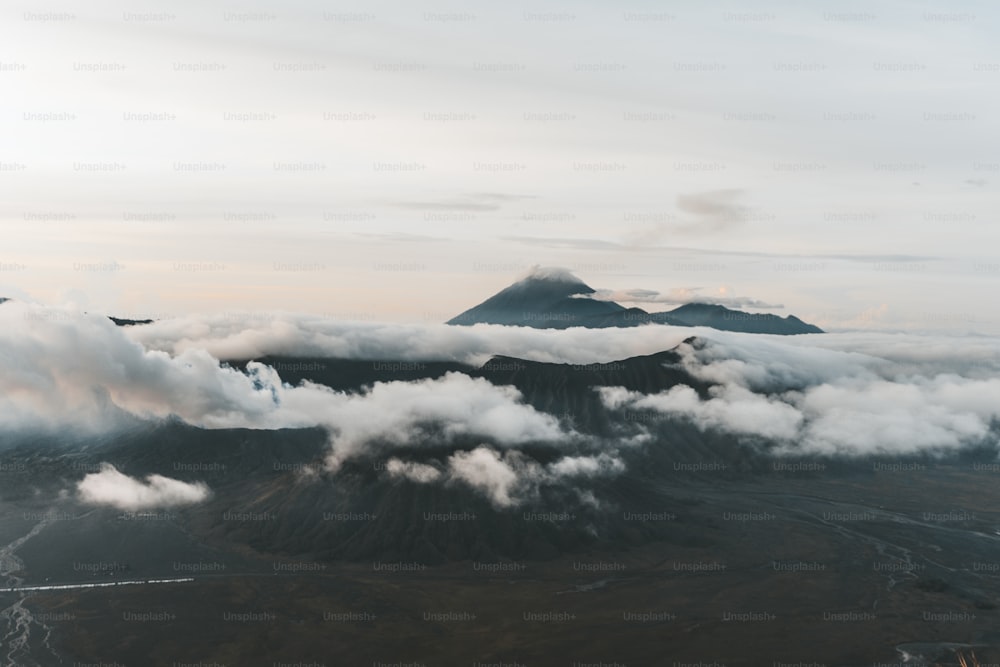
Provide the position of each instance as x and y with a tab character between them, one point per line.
403	161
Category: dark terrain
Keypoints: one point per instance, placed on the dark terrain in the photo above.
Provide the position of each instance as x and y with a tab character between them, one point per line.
707	549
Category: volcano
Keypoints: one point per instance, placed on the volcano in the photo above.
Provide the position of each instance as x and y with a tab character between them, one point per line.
554	298
548	298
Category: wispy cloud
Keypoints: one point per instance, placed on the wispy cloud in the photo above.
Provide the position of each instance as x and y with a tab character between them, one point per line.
472	202
681	295
712	211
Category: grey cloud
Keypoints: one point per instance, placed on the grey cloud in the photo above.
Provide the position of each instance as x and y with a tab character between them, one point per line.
714	210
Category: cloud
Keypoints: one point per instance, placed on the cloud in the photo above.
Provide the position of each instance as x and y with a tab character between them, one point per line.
713	210
650	242
804	400
472	202
420	473
731	409
402	237
233	336
509	478
392	414
574	243
680	296
485	470
115	489
587	466
848	394
64	368
700	212
557	273
73	372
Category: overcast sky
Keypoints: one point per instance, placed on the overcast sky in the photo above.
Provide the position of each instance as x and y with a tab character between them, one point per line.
403	161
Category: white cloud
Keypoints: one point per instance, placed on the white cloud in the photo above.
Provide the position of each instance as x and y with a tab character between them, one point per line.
486	471
586	466
400	413
420	473
82	372
679	296
64	368
229	337
509	478
732	409
810	397
833	394
115	489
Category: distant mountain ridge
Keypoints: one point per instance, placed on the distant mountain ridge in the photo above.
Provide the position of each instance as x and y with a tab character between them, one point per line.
119	321
556	299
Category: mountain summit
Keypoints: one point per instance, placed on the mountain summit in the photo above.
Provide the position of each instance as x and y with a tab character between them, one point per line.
554	298
547	298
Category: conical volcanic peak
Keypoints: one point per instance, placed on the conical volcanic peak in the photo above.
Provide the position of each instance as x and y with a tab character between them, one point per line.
546	297
553	274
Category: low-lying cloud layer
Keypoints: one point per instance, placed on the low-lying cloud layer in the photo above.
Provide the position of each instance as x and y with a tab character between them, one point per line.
112	488
846	394
680	296
65	369
82	372
249	337
810	401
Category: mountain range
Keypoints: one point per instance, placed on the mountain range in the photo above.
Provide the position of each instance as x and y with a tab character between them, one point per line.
556	299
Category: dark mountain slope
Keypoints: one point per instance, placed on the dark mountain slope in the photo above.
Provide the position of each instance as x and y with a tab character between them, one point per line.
556	299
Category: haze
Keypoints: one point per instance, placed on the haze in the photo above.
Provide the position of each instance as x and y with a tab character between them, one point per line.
392	162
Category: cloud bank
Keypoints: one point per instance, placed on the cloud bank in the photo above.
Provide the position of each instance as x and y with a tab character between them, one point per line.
81	372
846	394
812	401
680	296
249	337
